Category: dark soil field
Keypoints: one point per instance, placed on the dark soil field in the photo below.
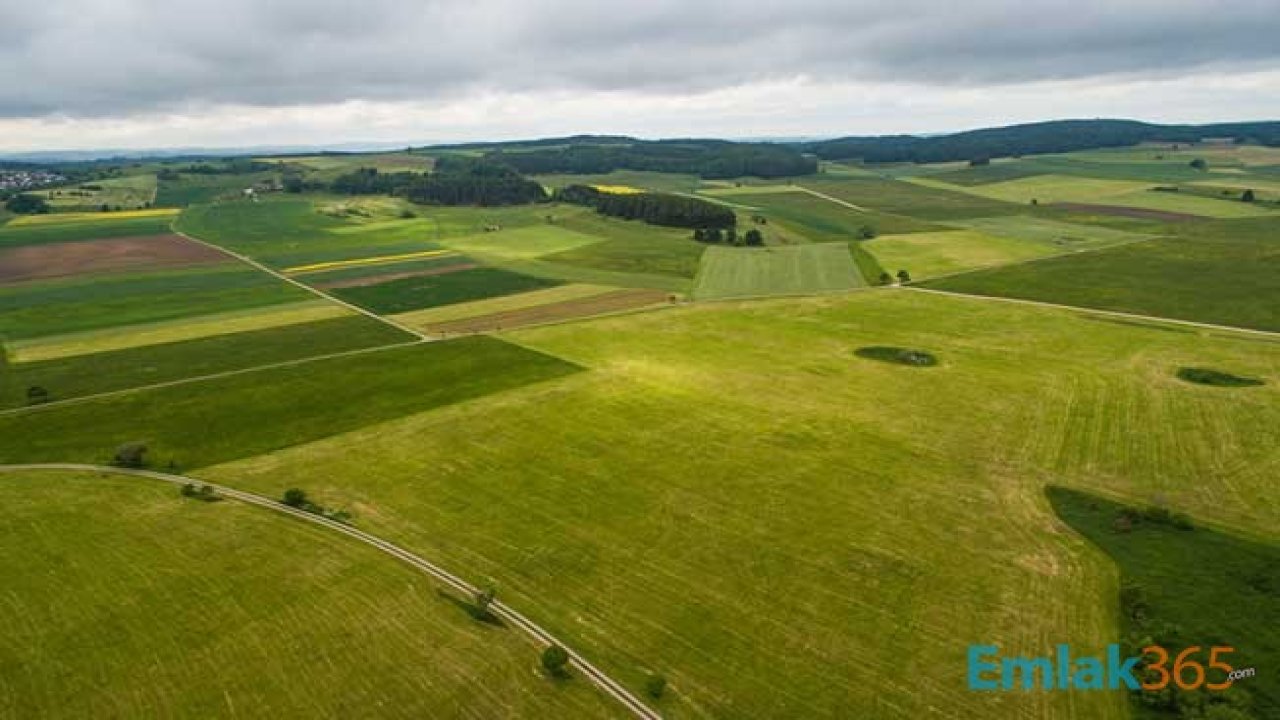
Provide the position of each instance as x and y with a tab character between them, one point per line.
67	259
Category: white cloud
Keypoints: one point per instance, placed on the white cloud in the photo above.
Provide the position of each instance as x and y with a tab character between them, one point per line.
135	73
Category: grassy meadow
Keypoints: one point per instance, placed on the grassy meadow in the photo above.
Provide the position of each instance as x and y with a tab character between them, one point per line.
1213	271
124	599
106	370
788	270
731	497
929	254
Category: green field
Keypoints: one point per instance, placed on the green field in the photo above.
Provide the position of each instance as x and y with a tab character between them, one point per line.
85	374
659	182
217	420
910	199
125	193
734	499
110	339
792	270
416	293
55	307
931	254
123	599
526	242
1062	236
191	188
81	228
797	216
1048	189
1214	271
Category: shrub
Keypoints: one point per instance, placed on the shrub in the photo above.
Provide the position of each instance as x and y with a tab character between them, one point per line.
1217	378
37	395
897	355
1247	196
655	686
904	276
866	232
131	455
295	497
554	660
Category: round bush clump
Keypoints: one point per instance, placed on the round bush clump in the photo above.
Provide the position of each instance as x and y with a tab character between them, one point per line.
1217	378
897	355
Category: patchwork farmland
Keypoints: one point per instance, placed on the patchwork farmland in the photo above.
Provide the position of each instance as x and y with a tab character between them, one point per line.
792	470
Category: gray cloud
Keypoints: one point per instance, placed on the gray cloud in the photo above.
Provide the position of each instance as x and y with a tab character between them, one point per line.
115	58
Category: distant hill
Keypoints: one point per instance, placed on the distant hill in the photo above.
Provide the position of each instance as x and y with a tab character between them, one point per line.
1033	138
591	154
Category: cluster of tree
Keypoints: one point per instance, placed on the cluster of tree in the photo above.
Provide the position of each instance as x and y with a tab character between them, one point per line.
751	238
203	493
471	181
705	158
297	498
130	455
364	181
1035	138
25	204
233	166
653	208
455	181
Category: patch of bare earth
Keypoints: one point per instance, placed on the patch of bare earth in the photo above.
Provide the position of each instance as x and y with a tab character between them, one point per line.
68	259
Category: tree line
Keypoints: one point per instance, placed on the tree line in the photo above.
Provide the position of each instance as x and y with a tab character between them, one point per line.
705	158
653	208
1056	136
455	181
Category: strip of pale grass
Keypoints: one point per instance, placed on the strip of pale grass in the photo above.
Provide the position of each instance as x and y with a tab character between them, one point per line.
73	217
225	323
378	260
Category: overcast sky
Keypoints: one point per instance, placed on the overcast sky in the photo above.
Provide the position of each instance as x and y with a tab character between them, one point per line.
158	73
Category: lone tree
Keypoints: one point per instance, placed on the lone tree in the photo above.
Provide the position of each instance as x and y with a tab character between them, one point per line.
1247	196
866	232
904	276
885	278
37	395
295	497
483	598
753	238
131	455
1199	164
554	660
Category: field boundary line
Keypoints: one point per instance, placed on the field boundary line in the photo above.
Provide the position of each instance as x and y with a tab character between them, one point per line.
210	376
1098	311
315	291
596	676
838	201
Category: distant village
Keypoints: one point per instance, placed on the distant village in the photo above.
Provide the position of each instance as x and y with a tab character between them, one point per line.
27	179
